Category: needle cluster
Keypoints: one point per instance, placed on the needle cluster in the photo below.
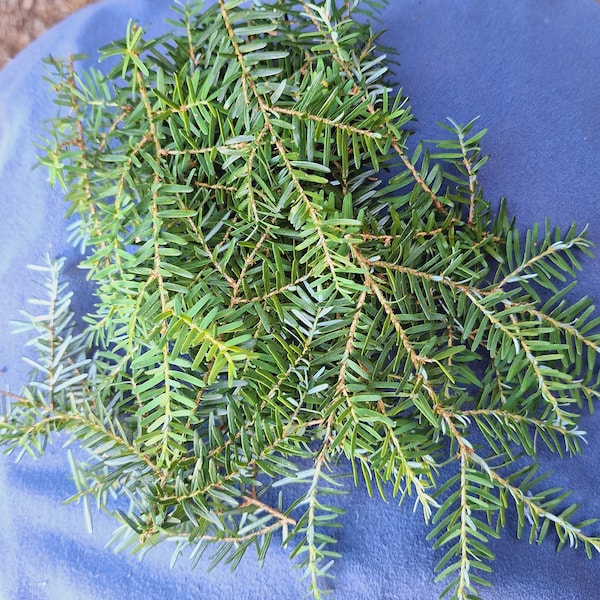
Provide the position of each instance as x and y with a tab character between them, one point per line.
284	290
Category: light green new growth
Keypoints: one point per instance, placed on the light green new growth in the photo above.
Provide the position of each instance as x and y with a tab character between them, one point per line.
284	291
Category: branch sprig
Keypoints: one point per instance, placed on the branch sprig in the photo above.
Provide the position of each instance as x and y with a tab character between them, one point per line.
288	287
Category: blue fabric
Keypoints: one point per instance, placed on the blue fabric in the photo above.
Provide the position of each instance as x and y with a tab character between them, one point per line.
531	70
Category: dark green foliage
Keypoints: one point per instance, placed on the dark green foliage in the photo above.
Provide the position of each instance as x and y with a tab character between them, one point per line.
281	284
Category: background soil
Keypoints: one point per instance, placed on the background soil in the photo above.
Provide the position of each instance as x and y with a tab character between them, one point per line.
21	21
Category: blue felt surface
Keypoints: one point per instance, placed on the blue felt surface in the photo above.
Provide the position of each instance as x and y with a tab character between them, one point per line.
531	69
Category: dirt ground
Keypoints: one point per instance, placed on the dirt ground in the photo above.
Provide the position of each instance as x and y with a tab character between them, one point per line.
21	21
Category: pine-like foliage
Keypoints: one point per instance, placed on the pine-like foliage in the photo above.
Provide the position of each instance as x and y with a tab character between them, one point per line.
284	288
